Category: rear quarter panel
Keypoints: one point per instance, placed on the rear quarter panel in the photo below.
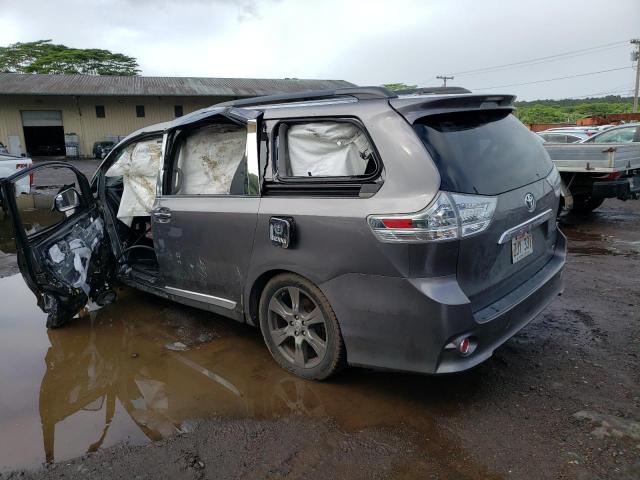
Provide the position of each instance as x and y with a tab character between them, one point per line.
332	236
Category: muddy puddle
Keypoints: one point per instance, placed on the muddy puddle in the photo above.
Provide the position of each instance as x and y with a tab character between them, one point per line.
142	369
607	231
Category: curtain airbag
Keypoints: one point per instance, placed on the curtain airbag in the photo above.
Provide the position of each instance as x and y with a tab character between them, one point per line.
326	149
209	159
138	166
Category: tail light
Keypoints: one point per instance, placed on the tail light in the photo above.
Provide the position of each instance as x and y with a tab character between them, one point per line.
20	166
450	216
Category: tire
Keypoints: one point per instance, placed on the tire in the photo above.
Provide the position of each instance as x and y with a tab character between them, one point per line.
303	336
586	203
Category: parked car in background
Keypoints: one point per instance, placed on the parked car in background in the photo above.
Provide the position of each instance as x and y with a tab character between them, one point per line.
563	137
590	130
606	165
413	232
101	149
9	165
621	134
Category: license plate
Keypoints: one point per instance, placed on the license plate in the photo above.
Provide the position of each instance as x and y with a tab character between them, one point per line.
521	246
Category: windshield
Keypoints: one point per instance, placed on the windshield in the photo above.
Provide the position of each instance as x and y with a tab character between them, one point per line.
485	153
616	135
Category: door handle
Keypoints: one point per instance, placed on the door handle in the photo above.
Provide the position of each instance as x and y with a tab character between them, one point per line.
162	215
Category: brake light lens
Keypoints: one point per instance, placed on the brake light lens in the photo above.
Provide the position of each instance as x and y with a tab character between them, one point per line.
475	213
450	216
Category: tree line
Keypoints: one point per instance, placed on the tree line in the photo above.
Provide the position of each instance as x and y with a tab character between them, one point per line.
569	110
45	57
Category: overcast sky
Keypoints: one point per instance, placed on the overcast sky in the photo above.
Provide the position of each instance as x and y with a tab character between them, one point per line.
366	42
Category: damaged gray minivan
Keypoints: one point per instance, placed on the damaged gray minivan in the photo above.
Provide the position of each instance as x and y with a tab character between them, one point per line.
413	232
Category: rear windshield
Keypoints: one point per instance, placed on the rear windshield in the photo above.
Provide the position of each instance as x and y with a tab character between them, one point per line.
485	153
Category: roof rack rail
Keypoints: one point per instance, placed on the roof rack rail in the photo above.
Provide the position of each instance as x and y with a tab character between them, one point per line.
428	90
361	93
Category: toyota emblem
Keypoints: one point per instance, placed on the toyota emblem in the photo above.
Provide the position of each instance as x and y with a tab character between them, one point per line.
530	202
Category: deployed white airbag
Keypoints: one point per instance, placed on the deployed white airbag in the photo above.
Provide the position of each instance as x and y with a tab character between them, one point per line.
138	166
209	159
327	149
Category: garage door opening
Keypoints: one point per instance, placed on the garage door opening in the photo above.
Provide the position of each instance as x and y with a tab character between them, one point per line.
43	132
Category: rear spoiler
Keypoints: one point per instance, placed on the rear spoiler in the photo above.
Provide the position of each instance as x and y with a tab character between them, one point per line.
415	107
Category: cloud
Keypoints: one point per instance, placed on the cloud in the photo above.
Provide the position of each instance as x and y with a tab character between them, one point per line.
363	41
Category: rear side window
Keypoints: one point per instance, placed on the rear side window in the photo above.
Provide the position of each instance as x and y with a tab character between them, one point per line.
323	149
484	153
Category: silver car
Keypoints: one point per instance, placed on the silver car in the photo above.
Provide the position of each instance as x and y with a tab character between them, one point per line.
563	136
621	134
412	232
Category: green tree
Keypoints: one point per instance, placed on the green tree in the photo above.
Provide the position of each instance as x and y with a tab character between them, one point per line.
399	86
44	57
570	110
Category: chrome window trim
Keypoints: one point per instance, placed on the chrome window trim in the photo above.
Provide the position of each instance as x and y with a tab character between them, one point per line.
203	297
253	166
525	226
165	137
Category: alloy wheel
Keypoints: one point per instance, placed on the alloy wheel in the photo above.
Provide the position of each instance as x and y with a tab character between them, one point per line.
297	327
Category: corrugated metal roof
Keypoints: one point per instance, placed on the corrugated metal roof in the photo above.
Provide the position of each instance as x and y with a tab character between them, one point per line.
21	84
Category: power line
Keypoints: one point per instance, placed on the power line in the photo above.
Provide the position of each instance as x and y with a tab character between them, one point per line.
573	53
540	62
619	91
548	58
553	79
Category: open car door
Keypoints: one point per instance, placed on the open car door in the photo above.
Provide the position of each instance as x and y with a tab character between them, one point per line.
61	241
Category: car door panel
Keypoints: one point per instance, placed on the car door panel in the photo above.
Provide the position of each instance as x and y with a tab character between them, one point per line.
67	262
206	246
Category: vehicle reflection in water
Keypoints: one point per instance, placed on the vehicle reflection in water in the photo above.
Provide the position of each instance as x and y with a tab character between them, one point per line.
107	365
144	368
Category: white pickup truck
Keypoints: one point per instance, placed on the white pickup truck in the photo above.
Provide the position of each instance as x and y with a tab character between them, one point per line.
10	165
592	172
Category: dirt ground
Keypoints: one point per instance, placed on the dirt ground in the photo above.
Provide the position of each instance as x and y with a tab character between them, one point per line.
559	400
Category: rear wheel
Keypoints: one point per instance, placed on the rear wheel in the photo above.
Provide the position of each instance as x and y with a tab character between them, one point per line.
300	328
586	203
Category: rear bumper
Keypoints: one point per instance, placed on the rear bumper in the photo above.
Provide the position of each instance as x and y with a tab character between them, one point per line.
405	324
623	188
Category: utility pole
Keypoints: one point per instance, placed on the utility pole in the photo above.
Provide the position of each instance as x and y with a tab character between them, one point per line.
444	79
636	56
